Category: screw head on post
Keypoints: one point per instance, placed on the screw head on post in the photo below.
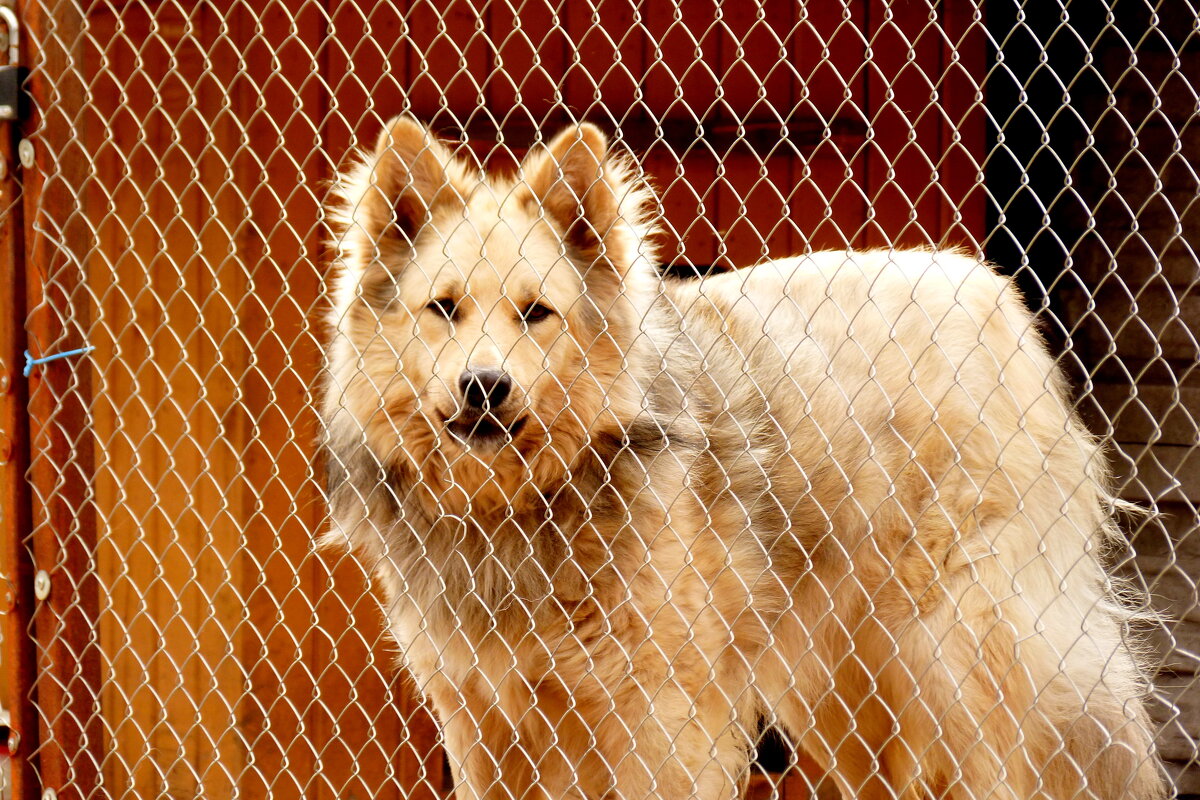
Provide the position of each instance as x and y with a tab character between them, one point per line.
41	584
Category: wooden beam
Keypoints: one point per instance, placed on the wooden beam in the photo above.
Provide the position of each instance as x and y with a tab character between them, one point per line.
16	560
57	241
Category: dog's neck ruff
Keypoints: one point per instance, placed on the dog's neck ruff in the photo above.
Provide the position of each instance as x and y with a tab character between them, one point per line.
609	459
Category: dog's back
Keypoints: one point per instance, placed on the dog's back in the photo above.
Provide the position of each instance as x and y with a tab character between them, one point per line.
913	448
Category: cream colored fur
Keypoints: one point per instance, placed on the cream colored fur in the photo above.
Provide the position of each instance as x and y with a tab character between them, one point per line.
843	493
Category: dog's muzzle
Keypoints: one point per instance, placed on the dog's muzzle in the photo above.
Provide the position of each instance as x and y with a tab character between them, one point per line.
482	392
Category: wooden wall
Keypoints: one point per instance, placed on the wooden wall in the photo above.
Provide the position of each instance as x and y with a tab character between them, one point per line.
1138	305
234	660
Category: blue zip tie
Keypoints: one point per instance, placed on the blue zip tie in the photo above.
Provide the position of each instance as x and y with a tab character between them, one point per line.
31	362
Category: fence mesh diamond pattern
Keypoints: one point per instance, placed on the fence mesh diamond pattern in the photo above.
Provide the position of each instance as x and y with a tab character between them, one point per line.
167	210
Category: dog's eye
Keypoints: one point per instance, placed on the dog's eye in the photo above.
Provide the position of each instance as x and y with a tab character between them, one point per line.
445	307
535	312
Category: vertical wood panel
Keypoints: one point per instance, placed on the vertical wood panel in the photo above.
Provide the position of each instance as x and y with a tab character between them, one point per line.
827	201
366	72
757	84
906	50
377	730
166	473
927	140
19	676
683	171
604	77
449	53
277	104
533	47
64	525
964	136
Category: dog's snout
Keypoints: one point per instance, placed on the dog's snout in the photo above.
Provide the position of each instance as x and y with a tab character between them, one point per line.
484	389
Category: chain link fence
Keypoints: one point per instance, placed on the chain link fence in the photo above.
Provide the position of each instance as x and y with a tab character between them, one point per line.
171	628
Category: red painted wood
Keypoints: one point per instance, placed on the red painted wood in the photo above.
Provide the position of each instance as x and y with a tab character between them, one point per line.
61	463
16	561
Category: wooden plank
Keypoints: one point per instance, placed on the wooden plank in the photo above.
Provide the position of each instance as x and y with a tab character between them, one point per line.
327	715
686	198
753	218
17	603
532	45
448	53
165	473
57	238
607	60
126	504
927	142
1135	317
1162	561
125	620
363	62
276	713
1175	706
676	79
828	202
753	212
211	598
360	731
964	134
904	55
758	78
1145	412
710	137
828	49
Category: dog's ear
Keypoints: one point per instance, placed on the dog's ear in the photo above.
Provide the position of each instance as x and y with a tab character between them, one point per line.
575	182
413	175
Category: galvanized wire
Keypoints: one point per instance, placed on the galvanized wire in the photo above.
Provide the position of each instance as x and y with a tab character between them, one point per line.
196	643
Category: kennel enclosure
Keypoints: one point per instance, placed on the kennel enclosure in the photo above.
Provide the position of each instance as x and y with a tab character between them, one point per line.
170	631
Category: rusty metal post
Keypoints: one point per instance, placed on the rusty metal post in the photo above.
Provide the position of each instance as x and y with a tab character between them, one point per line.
61	450
16	563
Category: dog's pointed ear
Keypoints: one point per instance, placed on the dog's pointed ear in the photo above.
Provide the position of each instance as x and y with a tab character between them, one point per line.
575	182
412	175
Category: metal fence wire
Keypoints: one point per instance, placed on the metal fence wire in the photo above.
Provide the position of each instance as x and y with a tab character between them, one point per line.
827	527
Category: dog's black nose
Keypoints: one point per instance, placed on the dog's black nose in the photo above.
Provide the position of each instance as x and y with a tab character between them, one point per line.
484	389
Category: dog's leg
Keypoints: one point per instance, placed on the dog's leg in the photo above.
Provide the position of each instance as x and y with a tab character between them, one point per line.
845	728
489	759
636	741
667	741
938	702
964	706
870	709
676	723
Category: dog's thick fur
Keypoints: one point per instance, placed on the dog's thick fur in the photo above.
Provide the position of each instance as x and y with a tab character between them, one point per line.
843	492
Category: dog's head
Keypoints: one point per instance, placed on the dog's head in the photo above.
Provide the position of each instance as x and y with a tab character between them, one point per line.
483	325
